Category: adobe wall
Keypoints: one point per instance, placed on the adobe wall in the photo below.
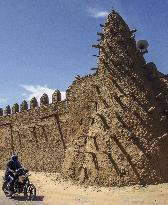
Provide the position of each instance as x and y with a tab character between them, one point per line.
38	136
114	137
126	138
41	135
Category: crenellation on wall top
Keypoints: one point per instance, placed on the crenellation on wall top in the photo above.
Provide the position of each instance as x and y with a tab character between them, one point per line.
44	100
24	106
33	104
56	96
7	110
15	108
1	112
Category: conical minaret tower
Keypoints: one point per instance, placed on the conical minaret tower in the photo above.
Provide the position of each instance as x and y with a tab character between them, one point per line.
127	137
139	120
118	52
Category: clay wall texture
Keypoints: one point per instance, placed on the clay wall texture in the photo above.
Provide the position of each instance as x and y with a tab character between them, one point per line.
112	128
37	135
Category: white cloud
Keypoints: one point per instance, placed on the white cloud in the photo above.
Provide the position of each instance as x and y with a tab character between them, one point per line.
97	13
3	99
38	90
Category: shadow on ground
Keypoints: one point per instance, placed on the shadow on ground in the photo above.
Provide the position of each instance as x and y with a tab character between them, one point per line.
23	198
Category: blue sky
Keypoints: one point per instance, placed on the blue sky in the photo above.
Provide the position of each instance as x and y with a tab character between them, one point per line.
45	43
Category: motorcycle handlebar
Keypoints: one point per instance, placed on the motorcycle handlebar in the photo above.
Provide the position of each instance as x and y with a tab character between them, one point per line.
23	171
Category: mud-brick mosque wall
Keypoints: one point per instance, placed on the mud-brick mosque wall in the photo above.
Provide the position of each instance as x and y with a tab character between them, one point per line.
35	133
123	138
41	134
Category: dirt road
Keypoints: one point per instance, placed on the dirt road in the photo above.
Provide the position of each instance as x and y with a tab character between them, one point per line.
58	192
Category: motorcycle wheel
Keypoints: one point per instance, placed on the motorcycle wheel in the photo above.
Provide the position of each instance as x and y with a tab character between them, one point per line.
4	188
30	192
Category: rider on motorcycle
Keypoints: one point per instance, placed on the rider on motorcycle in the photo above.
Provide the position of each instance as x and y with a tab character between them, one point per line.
12	165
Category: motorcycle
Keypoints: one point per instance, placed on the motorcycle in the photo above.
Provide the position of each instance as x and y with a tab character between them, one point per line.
21	185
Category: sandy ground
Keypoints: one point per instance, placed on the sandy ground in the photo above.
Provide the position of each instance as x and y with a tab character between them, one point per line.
53	191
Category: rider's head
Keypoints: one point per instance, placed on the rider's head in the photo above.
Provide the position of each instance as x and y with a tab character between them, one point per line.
14	157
